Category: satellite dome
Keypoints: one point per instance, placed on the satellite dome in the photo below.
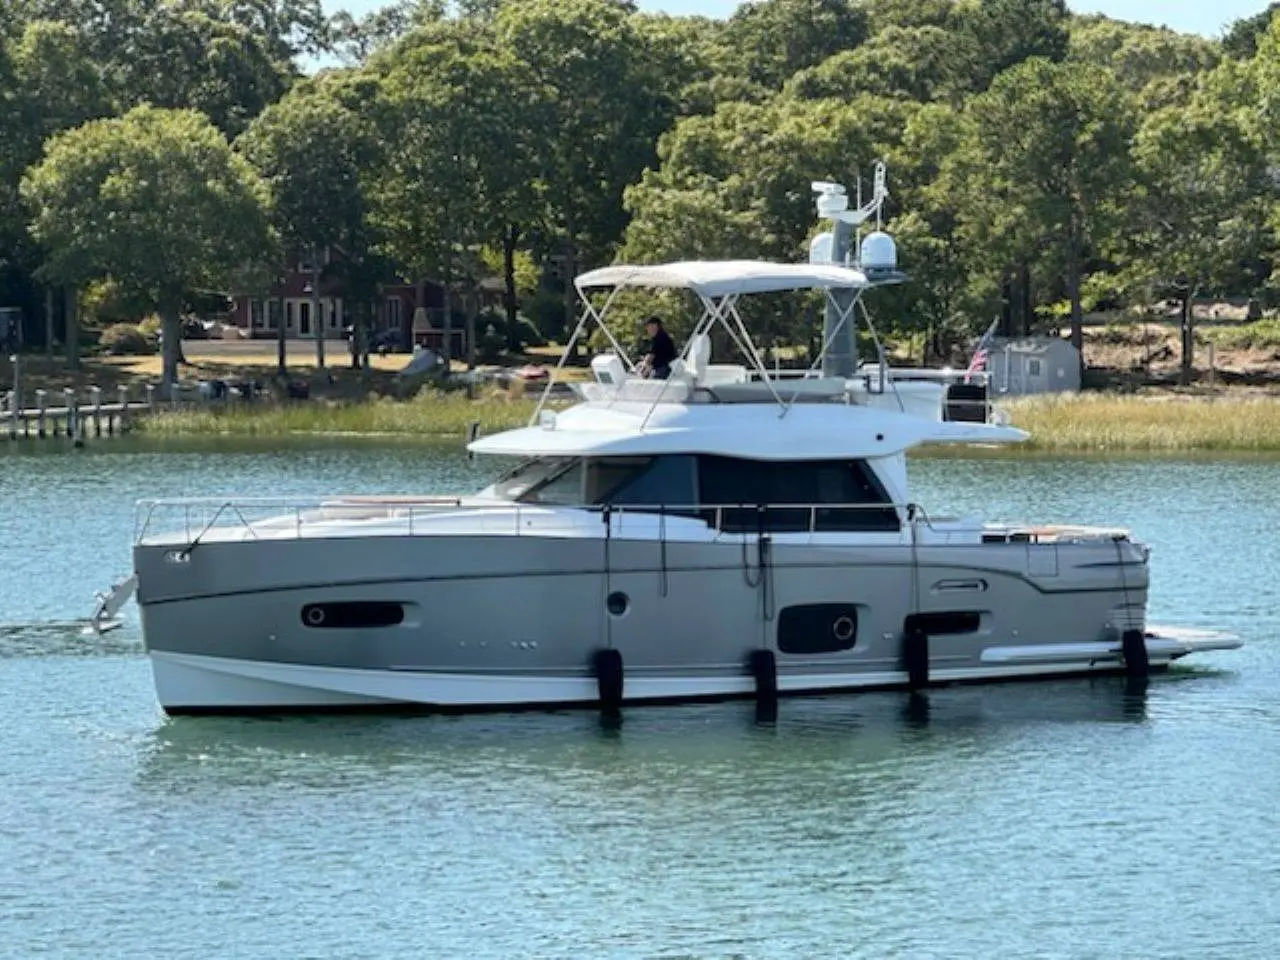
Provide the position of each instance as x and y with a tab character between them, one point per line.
879	252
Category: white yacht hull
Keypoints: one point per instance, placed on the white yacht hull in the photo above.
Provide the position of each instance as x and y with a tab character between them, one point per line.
189	683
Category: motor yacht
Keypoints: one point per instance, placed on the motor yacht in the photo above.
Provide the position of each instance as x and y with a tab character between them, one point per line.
731	531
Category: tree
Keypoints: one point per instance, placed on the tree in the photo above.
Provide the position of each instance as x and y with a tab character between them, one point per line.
777	38
916	63
155	200
450	136
600	98
312	151
1160	65
1009	32
1243	36
1200	214
1052	139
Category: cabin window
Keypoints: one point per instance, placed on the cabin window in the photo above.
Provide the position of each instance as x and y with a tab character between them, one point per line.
528	482
661	482
828	495
1033	367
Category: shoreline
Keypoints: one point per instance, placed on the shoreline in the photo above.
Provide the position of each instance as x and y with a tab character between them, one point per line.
1087	423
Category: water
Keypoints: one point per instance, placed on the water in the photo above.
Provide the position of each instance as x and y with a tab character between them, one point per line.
1056	820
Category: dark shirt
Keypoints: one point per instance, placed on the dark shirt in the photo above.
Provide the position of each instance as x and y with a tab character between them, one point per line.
662	349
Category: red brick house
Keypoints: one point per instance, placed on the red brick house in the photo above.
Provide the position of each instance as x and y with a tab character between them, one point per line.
398	310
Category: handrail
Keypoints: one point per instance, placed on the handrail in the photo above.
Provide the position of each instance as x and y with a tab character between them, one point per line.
259	516
290	519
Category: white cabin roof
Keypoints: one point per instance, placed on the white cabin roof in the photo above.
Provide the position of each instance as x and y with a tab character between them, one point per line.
753	431
717	278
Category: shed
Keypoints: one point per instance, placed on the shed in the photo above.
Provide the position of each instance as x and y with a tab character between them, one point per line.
1027	365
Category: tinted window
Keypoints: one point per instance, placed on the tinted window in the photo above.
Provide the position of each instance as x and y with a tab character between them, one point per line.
665	481
725	481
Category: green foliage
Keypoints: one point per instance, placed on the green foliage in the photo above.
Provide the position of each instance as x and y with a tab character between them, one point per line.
1039	161
125	339
156	200
780	38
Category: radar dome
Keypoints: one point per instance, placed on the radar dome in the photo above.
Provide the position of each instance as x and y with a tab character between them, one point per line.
879	252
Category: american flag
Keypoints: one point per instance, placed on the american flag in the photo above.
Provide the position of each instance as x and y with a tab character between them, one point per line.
981	355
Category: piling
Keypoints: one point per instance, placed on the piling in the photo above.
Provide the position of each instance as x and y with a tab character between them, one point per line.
69	402
95	398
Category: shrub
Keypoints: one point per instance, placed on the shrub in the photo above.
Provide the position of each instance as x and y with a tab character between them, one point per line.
125	339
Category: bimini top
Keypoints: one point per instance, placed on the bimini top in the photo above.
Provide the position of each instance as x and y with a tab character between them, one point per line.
718	278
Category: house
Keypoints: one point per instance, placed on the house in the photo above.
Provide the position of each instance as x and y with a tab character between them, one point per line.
398	309
1027	365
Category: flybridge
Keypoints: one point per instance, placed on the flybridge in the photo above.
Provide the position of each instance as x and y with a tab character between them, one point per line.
843	265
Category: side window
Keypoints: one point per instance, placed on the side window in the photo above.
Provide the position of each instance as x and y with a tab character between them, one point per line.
795	495
667	482
1033	367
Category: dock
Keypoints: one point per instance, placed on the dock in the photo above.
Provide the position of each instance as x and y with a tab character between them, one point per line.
78	415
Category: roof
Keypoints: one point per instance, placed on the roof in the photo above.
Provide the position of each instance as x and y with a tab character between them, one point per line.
753	431
716	278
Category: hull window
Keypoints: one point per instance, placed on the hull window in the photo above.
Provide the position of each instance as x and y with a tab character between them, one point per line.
818	628
941	624
352	614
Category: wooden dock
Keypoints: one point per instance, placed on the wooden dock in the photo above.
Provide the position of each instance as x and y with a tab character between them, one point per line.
79	414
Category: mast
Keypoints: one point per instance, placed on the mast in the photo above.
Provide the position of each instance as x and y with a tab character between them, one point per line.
840	245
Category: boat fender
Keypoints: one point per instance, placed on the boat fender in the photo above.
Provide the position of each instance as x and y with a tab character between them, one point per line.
915	656
763	667
607	665
1133	647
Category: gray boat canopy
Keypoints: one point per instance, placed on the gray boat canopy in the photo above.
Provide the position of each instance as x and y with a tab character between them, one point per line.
719	278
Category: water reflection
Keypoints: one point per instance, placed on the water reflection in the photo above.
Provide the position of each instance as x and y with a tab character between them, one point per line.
855	731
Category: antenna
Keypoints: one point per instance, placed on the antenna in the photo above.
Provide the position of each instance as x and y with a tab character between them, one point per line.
833	202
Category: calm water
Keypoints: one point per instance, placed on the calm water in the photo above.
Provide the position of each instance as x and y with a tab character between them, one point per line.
1058	820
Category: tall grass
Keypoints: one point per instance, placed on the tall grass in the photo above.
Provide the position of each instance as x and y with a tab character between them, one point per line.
1106	422
1058	424
431	413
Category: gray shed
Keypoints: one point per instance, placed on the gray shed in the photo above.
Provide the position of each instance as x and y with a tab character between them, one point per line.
1033	365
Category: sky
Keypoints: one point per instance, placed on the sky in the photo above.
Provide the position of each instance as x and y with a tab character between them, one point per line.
1207	17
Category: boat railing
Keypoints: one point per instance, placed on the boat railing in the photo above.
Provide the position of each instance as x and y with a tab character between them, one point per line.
192	520
186	522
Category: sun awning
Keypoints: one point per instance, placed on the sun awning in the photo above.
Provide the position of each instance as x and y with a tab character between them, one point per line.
717	278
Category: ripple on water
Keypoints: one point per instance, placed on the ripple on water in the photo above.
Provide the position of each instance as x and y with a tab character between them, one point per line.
1067	819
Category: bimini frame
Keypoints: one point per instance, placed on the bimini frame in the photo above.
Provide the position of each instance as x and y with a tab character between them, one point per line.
719	285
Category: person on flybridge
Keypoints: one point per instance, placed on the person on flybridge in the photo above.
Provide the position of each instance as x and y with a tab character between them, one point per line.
662	351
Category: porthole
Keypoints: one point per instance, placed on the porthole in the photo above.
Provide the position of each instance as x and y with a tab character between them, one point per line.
618	603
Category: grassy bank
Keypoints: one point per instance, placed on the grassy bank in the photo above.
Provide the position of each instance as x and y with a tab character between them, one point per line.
1087	423
1100	423
430	414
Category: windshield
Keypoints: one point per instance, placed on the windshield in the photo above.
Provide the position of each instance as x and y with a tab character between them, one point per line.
555	480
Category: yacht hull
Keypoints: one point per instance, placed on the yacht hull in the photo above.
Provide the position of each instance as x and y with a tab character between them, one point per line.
193	685
505	622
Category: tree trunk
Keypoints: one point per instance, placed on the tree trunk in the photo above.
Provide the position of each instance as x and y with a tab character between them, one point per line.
72	344
1188	337
1006	304
1077	313
282	363
171	336
419	302
473	304
446	326
570	306
359	313
509	300
1028	302
48	322
316	318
